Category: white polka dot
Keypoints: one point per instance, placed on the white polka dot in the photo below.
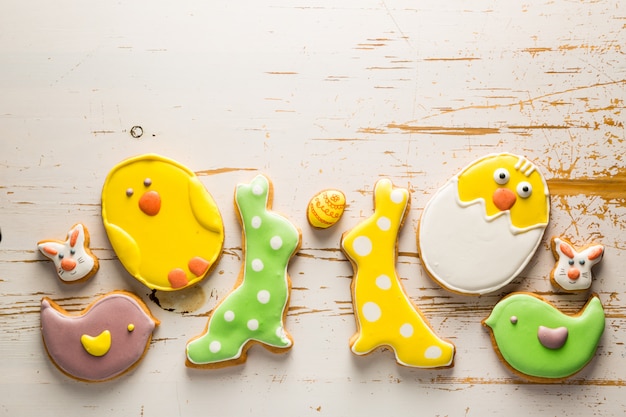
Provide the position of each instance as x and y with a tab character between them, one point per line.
229	315
280	332
257	190
256	222
383	223
215	346
371	311
433	352
253	324
276	242
406	330
257	265
397	196
263	296
383	282
362	245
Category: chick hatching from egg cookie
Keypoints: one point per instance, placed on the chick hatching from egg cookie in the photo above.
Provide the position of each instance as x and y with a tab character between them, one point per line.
162	223
480	230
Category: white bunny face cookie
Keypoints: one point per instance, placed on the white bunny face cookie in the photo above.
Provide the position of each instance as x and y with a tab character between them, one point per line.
72	258
572	271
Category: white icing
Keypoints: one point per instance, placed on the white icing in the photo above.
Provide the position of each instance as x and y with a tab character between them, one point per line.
257	265
229	315
276	242
397	196
406	330
362	245
383	282
487	253
215	346
263	296
560	272
257	189
433	352
84	262
371	311
253	324
383	223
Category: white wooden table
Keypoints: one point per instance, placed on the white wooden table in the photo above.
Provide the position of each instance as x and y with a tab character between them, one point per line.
315	95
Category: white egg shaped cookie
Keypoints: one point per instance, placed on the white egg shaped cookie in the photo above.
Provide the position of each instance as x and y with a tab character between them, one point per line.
480	230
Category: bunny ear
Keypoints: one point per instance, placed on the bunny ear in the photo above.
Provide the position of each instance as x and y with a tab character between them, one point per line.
595	252
50	249
566	249
76	235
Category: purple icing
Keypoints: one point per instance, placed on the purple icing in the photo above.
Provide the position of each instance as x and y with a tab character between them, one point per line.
114	312
552	338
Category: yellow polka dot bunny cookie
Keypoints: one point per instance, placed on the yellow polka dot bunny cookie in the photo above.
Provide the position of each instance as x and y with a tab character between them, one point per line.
384	313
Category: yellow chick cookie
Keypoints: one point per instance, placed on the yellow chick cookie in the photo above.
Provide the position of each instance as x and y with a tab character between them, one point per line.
479	231
162	223
384	313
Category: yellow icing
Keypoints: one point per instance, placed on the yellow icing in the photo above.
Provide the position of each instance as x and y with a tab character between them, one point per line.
477	182
384	313
187	225
325	209
97	345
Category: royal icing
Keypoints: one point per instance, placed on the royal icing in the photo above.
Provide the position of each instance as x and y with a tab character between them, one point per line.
104	341
255	310
480	230
572	271
326	208
162	223
537	340
384	313
73	260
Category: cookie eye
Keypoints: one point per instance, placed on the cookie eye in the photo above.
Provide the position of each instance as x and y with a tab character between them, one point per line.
501	176
147	182
571	262
129	192
513	319
130	327
524	189
72	251
582	262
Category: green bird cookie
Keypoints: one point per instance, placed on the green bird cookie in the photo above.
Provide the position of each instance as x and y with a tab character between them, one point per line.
539	342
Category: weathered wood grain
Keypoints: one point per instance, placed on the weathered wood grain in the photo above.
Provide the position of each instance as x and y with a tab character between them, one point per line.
315	95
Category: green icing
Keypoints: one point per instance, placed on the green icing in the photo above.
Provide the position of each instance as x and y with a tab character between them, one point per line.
255	309
519	345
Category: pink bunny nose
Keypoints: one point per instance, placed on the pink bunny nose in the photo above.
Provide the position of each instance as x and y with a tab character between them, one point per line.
573	274
503	198
68	264
150	203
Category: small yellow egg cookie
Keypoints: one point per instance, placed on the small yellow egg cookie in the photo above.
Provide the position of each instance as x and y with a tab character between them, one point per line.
326	208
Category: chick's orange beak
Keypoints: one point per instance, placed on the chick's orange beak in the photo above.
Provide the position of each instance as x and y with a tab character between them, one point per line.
504	199
150	203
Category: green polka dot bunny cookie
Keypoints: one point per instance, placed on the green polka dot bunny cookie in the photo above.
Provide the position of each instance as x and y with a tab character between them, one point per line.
254	312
